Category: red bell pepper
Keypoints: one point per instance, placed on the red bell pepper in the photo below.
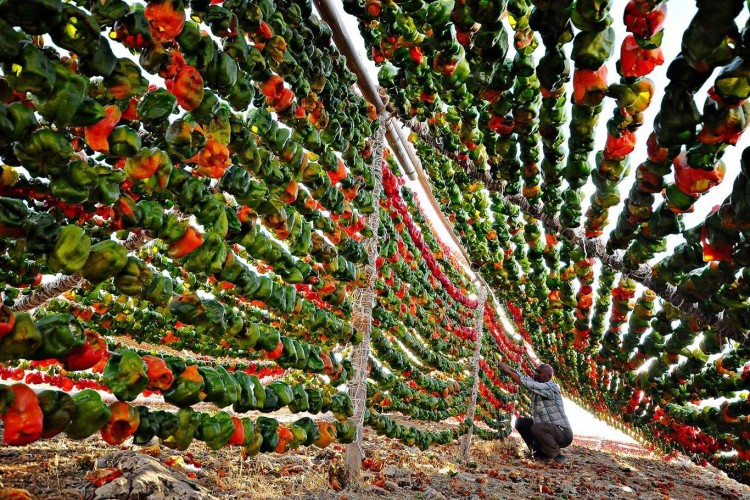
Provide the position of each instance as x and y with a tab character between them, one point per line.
272	87
501	125
326	434
644	24
290	193
285	439
187	243
589	86
166	20
277	352
86	356
187	87
696	181
338	174
277	95
7	320
147	164
122	424
213	159
655	152
715	252
97	135
619	147
636	61
24	419
416	54
160	377
238	438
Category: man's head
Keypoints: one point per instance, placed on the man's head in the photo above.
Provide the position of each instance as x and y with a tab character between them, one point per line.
543	373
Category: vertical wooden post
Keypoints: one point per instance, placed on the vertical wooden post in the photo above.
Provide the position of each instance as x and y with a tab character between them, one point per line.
363	301
471	410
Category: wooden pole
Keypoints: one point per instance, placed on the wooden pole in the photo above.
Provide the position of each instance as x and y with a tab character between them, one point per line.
368	87
363	300
471	410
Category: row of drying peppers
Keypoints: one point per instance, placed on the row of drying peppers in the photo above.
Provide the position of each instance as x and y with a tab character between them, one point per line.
29	416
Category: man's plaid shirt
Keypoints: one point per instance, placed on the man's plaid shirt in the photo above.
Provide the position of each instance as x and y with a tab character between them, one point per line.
546	402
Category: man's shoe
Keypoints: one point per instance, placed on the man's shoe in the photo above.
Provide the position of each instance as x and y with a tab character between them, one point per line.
559	459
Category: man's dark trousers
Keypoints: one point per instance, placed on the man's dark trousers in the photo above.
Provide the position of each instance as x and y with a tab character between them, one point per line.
544	439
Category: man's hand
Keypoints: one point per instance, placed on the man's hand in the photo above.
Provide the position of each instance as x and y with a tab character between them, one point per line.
510	372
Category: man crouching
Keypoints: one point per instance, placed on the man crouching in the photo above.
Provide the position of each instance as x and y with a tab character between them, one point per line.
549	429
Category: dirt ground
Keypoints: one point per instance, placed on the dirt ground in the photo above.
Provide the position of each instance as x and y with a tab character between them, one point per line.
61	468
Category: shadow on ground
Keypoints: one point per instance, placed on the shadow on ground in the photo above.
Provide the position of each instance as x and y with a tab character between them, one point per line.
62	468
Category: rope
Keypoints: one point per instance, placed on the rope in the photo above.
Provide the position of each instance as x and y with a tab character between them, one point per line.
65	283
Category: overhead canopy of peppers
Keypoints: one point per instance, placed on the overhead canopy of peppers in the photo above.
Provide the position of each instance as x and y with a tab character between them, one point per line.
229	134
227	140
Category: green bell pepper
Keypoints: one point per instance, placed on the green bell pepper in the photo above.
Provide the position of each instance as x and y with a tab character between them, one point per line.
187	389
289	354
125	374
269	338
232	389
92	414
283	392
268	429
71	250
77	31
310	428
68	94
214	384
246	400
167	423
23	341
59	336
35	17
346	432
172	229
44	153
253	438
187	425
126	80
133	278
299	436
156	106
270	402
148	426
314	400
124	142
105	260
13	213
300	401
216	430
107	12
59	410
101	61
341	406
592	48
209	257
37	74
17	121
